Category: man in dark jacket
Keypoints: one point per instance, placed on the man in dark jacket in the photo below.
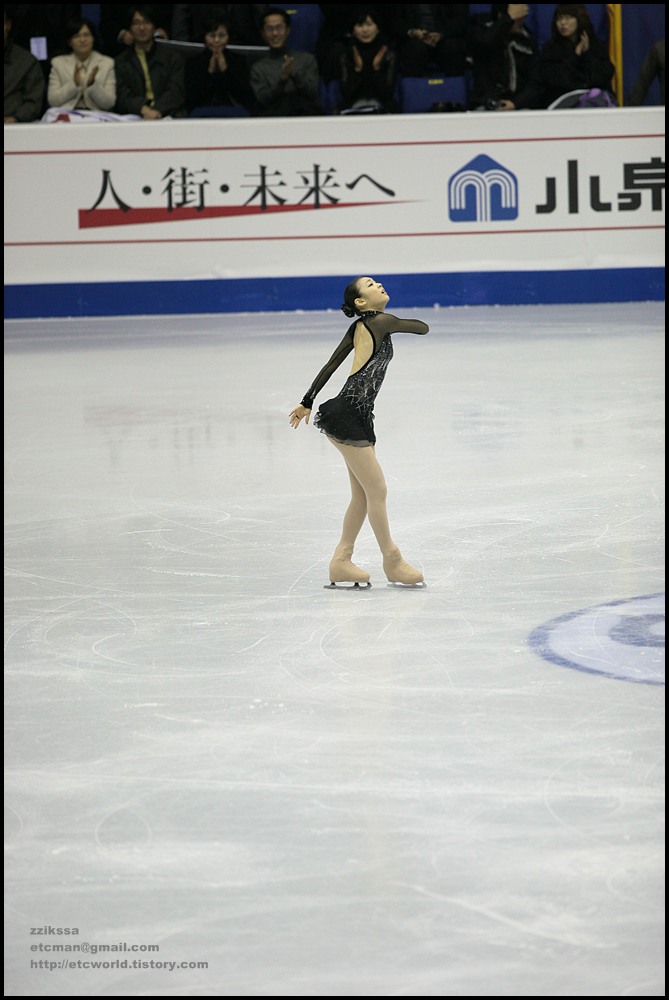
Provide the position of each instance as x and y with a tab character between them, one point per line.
24	82
652	69
40	28
149	75
505	60
431	36
113	26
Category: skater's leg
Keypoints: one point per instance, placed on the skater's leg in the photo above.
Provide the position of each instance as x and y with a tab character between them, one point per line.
342	569
355	515
364	465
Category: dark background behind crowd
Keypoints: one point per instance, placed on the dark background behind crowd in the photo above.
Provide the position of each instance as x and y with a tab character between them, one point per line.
238	60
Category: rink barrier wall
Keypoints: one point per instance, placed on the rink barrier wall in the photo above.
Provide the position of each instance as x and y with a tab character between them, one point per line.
163	298
247	215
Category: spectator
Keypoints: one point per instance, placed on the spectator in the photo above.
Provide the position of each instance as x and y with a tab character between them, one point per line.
243	21
217	81
652	68
432	36
335	31
367	67
85	78
505	60
149	77
116	36
40	28
574	58
285	82
24	82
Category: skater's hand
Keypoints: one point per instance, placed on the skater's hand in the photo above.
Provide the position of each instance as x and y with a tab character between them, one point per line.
299	413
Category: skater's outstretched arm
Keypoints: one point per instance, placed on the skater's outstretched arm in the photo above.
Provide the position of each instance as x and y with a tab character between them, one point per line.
366	298
384	323
341	352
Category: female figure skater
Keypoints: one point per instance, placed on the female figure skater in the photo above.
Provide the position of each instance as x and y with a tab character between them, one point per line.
348	421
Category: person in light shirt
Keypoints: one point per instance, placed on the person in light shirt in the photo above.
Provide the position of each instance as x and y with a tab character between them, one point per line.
84	78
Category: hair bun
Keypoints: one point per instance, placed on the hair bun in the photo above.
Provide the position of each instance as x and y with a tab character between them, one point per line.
348	310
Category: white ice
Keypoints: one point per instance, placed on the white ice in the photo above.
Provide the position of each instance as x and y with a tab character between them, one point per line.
388	793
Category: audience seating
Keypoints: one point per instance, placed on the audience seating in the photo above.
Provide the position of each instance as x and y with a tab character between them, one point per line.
418	93
330	95
305	23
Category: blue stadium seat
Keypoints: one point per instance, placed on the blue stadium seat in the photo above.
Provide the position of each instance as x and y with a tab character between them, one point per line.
305	23
330	96
419	93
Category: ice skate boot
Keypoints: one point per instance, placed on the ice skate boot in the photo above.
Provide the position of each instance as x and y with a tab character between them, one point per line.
344	574
400	573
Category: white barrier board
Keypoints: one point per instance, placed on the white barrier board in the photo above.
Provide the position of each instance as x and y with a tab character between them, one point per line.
432	193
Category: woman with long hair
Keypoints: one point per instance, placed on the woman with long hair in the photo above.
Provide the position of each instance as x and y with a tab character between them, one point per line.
348	422
574	58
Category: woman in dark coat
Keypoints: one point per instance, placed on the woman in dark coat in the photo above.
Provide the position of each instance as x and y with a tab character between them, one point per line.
217	80
367	67
574	58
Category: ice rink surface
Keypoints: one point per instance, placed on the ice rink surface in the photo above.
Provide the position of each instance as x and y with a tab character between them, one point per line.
233	782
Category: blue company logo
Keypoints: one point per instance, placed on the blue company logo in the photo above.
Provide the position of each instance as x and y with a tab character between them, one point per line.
623	639
483	191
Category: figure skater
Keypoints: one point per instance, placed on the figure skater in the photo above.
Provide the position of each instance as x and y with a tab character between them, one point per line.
348	421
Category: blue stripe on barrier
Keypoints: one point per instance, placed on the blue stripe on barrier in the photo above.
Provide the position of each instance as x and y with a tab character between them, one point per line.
149	298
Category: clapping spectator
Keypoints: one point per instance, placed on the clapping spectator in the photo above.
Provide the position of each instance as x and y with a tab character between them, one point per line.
335	31
149	77
367	67
24	82
574	58
505	60
85	78
285	82
217	81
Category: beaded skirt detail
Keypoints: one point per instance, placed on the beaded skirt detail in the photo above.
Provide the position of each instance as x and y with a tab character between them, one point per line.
349	417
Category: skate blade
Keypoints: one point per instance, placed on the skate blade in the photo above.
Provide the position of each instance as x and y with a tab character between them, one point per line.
347	586
407	586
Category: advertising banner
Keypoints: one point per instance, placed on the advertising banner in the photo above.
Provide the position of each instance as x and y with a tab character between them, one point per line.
259	198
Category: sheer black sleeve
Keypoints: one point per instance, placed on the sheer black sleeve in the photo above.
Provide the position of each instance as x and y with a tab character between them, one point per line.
326	372
383	323
378	324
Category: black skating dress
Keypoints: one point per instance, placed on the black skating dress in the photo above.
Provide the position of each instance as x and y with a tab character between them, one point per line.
349	417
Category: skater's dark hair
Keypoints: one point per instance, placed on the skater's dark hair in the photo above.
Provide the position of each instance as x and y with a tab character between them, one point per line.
352	292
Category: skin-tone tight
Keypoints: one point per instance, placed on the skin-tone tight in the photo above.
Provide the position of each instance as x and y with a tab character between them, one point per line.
368	497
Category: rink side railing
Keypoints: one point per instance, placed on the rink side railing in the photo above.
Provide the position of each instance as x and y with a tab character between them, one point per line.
245	215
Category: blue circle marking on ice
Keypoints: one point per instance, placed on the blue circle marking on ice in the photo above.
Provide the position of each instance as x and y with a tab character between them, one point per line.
622	639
